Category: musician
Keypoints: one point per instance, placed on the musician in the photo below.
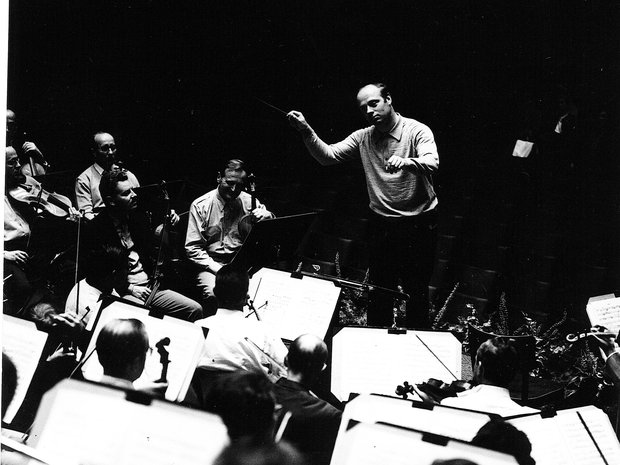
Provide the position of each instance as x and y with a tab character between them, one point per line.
611	354
213	231
20	293
399	157
121	346
122	225
32	160
87	195
314	423
245	402
235	342
496	365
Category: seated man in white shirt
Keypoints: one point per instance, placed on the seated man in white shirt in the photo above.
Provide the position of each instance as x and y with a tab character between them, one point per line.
497	363
235	342
87	195
214	232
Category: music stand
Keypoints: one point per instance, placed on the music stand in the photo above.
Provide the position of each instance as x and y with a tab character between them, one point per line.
273	240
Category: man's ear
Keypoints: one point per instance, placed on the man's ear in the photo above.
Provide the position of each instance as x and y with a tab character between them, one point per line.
388	99
219	177
286	361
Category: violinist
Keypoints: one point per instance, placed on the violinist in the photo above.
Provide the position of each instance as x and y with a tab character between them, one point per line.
21	191
213	230
87	195
32	160
122	224
495	367
611	354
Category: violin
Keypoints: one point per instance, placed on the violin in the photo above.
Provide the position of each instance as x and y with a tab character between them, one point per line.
246	223
434	390
34	168
592	332
161	233
41	200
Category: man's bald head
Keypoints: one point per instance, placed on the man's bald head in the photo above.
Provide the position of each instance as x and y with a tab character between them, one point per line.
307	356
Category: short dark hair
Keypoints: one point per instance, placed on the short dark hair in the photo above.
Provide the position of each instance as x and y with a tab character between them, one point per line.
234	164
499	360
231	285
102	261
119	344
503	437
307	355
109	181
246	403
245	452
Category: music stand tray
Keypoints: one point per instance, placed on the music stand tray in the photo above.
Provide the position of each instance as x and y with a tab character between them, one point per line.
273	240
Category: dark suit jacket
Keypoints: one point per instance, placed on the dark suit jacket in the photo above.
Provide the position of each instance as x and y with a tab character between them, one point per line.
314	423
101	231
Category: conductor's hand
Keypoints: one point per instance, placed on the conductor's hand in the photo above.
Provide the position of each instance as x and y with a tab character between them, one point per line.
297	120
141	292
396	163
18	257
260	214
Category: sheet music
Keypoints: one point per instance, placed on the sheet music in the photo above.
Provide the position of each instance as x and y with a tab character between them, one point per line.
23	343
369	360
94	424
605	312
522	149
444	421
294	306
186	341
372	444
564	440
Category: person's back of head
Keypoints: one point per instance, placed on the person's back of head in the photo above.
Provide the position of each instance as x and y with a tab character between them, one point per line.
247	452
307	357
503	437
231	287
497	362
246	403
121	346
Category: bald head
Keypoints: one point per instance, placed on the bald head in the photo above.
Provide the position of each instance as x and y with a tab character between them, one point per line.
307	356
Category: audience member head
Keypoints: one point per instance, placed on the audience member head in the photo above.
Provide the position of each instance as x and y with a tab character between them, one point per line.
246	403
12	166
9	382
106	267
117	191
247	452
497	362
121	347
231	287
231	179
504	437
306	359
104	149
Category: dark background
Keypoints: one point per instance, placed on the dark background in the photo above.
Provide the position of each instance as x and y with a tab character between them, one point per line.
175	81
176	84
